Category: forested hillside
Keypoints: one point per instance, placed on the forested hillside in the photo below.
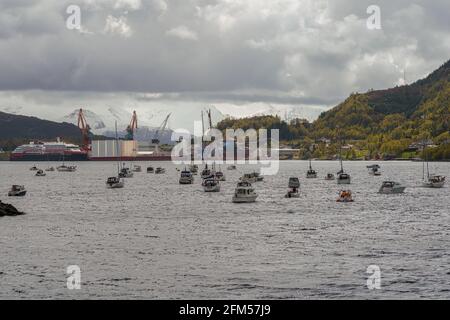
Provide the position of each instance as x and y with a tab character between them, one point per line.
377	124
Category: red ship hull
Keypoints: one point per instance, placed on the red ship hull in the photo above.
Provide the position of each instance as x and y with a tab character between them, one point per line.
140	158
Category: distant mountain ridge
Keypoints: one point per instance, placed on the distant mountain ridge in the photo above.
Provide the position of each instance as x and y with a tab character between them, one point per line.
23	127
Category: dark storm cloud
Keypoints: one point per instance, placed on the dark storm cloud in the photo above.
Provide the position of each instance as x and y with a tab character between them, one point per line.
313	51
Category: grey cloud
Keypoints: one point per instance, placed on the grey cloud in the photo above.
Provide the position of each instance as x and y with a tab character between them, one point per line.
320	50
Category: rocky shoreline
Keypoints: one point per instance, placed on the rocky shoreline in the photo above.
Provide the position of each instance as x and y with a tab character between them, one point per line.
9	210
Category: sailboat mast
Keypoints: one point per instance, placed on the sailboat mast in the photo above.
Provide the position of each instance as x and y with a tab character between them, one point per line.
203	133
117	151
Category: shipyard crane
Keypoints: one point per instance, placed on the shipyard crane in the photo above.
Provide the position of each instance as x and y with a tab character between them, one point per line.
132	127
163	126
85	130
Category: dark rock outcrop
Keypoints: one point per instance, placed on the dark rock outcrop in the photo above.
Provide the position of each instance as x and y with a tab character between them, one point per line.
8	210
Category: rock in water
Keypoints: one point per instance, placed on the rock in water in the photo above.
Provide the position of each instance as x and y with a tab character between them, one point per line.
8	210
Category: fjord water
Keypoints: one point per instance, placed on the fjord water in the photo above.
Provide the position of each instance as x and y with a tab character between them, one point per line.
158	239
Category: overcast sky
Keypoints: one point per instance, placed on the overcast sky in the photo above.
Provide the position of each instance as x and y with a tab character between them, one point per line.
229	52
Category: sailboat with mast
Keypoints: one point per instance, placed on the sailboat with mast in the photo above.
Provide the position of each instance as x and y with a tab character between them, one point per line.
342	176
64	168
311	174
430	180
116	182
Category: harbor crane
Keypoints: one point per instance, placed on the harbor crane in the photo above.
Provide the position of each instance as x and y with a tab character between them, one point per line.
163	126
132	127
85	131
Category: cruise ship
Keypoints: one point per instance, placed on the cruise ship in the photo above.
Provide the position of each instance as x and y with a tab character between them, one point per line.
49	151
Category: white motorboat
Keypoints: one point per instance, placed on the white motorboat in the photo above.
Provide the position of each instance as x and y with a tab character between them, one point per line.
50	169
115	183
40	173
345	196
125	173
311	174
186	177
244	193
330	177
34	168
150	170
65	168
17	191
231	167
160	170
374	170
137	168
391	187
211	185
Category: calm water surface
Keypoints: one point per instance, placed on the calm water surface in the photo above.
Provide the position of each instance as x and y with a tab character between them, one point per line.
158	239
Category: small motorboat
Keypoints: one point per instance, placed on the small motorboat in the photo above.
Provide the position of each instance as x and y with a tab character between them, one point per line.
391	187
220	176
343	178
40	173
329	176
17	191
292	193
137	168
50	169
115	183
65	168
231	167
244	193
193	168
258	176
294	184
211	185
160	170
186	177
34	168
434	181
150	170
206	172
345	196
374	170
248	177
125	173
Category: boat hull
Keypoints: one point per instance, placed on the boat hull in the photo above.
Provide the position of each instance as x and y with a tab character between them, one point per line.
17	193
133	159
48	157
426	184
392	191
244	199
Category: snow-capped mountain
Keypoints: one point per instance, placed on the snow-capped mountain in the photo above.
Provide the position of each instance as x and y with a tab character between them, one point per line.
94	120
102	121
